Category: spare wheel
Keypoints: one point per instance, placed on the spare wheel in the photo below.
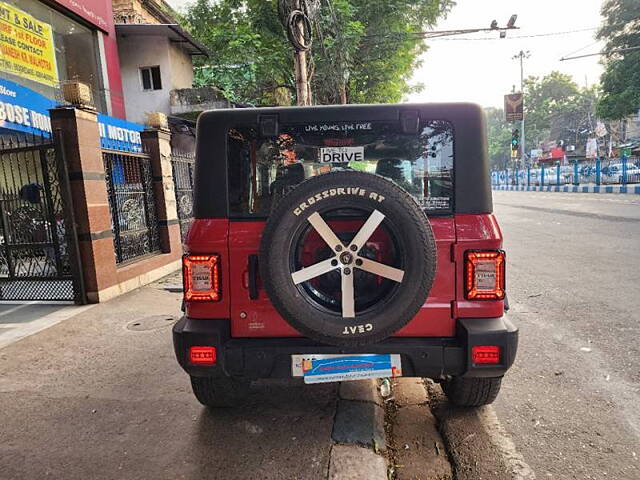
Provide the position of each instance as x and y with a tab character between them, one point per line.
347	258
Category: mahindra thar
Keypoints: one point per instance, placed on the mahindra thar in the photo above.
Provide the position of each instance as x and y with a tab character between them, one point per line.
339	243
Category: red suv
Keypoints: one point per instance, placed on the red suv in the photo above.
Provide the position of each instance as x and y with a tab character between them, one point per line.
344	242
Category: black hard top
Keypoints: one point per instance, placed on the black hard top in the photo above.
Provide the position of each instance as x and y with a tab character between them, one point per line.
471	162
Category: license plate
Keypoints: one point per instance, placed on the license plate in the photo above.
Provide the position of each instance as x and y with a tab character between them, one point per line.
340	368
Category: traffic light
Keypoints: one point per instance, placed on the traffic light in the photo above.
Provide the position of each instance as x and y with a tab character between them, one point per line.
515	139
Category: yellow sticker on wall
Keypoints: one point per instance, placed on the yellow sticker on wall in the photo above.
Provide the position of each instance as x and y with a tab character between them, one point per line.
26	46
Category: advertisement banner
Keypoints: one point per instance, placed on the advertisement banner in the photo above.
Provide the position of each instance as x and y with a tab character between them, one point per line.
513	107
23	110
26	46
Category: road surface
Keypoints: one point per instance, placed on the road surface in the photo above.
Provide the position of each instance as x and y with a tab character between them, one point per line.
571	402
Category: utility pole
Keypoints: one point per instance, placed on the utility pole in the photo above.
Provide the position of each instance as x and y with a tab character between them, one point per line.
522	55
300	58
294	15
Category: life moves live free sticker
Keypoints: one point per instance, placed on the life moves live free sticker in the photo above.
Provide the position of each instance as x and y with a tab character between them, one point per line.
341	154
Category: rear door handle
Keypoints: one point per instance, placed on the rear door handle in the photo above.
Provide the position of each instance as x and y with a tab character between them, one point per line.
253	277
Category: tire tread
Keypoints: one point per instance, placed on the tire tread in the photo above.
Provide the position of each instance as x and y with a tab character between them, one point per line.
217	392
472	392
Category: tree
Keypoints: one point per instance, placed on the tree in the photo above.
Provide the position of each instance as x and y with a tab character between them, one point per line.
621	78
363	50
557	109
499	135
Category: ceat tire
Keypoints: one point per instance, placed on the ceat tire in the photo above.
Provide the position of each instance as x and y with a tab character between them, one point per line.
347	258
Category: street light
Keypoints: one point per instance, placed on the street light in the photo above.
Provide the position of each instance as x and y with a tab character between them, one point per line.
521	56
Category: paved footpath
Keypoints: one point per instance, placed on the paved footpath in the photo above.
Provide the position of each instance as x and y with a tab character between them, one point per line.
92	398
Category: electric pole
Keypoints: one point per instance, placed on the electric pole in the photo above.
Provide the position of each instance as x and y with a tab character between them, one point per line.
295	17
522	55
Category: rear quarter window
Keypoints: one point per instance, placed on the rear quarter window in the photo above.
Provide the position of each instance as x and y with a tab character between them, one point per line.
263	170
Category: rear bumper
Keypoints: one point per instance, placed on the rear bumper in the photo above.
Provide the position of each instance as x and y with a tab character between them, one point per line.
421	357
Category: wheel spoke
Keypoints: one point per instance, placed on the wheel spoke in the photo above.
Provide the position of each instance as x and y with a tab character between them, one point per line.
324	230
348	298
312	271
381	269
367	229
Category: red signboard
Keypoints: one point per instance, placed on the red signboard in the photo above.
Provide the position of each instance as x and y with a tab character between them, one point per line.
98	12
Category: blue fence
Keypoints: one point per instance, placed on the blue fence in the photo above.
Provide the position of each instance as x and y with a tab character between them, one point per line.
594	173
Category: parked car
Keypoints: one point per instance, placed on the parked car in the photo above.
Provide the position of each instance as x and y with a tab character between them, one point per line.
346	274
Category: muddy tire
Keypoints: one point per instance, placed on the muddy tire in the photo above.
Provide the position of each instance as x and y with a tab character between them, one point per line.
367	282
472	392
220	392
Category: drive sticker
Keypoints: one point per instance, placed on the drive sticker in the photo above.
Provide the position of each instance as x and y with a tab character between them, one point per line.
341	154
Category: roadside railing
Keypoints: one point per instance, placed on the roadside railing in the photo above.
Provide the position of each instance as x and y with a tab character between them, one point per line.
614	171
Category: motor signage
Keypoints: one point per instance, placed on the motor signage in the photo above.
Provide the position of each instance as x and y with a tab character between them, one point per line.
24	110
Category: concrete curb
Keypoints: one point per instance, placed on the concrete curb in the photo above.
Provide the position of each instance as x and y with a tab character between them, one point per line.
624	189
358	434
477	444
417	448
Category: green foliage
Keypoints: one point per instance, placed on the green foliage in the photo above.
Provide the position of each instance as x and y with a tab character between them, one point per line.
556	108
621	78
499	135
363	49
250	56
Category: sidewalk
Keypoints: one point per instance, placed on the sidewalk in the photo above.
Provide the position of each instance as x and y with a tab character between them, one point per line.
101	396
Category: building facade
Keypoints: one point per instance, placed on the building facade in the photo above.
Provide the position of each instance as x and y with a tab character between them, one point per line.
155	56
45	44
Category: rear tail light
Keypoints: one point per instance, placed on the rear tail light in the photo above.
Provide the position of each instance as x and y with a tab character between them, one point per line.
485	354
202	355
484	275
201	278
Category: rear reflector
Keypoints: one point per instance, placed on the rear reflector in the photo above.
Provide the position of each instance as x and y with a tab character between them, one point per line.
484	275
202	355
485	354
201	278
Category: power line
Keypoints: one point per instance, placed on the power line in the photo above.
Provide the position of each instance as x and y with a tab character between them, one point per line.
548	34
619	50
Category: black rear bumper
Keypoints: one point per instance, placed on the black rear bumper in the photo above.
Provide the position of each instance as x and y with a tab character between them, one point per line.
430	357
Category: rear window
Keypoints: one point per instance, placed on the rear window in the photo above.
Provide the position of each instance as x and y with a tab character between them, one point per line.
263	170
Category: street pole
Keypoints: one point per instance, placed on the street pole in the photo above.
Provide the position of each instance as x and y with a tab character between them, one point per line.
522	154
522	55
300	62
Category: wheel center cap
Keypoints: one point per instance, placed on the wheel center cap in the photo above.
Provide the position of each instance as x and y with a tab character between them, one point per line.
346	258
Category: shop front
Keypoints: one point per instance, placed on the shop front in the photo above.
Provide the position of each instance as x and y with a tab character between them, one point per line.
44	45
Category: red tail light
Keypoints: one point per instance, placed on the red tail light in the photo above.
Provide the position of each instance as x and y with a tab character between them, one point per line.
201	278
202	355
486	354
484	275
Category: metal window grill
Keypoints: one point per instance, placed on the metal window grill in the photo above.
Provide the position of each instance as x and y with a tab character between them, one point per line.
132	203
183	167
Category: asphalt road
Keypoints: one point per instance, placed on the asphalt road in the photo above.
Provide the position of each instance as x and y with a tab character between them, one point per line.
571	402
98	397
